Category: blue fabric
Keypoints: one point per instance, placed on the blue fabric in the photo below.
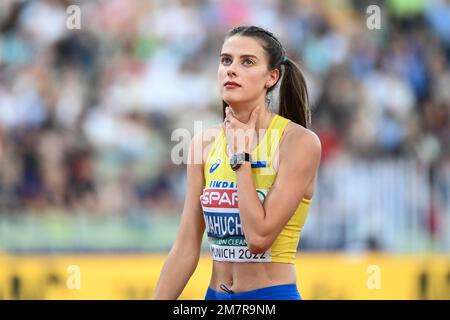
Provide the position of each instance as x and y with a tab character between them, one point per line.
278	292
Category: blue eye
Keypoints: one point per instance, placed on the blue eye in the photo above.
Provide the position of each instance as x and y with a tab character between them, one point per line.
225	59
249	60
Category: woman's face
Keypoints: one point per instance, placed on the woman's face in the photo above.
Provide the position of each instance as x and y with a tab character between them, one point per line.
244	62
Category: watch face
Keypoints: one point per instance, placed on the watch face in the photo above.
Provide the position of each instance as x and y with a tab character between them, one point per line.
237	160
233	160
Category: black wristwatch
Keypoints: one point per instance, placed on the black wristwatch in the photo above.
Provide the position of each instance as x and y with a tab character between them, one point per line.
238	159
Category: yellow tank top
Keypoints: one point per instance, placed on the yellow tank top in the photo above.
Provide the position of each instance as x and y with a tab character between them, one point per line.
221	206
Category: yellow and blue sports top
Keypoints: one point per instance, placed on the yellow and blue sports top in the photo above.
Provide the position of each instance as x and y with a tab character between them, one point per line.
220	202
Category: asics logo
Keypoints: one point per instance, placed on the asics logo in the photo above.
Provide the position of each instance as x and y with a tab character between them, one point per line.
214	166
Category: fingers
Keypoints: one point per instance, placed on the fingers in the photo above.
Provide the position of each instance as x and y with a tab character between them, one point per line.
254	116
229	116
231	119
226	123
229	112
237	133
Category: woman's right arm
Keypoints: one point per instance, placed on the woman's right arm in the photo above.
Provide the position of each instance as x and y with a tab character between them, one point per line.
184	255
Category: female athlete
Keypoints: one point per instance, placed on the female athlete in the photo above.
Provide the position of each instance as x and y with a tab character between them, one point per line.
252	184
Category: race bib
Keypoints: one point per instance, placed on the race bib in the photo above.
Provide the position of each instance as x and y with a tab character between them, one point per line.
224	228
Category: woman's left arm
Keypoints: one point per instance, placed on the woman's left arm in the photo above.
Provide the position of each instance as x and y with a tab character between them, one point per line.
299	161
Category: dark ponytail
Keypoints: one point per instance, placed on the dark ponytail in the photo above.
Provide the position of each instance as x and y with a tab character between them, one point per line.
293	99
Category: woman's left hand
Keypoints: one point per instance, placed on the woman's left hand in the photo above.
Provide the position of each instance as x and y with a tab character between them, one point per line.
239	135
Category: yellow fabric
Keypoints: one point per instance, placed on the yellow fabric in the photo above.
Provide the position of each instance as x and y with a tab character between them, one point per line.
220	203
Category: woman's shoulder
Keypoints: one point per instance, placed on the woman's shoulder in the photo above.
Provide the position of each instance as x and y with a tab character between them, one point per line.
296	141
300	139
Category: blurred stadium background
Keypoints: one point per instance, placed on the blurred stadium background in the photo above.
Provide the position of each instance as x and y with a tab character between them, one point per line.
86	116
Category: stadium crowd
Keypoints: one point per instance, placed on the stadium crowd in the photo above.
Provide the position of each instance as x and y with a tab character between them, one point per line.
86	115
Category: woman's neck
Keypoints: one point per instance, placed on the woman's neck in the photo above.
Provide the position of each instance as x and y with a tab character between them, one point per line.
243	115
